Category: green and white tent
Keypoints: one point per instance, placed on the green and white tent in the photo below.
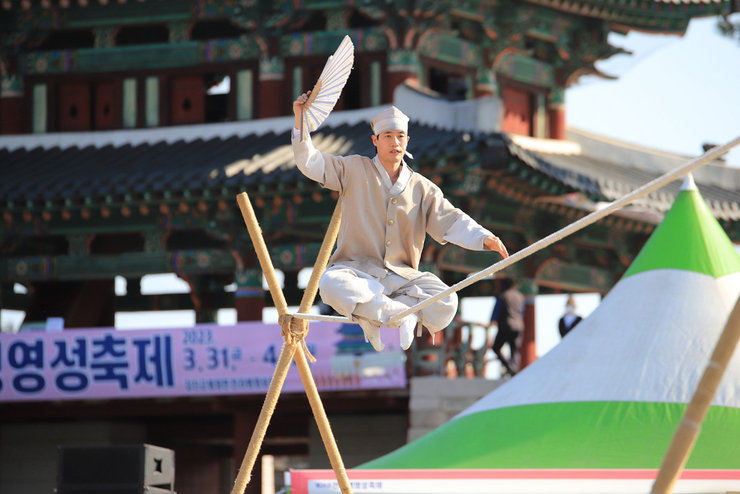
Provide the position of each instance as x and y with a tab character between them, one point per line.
611	394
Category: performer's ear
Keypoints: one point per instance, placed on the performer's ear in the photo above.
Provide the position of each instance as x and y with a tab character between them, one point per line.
374	139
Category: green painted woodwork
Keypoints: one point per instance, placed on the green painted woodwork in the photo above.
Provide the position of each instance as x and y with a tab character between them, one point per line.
648	15
248	279
39	108
11	85
294	256
228	49
178	31
541	114
486	81
525	69
575	277
326	42
556	97
376	83
135	264
139	57
297	81
116	13
244	95
446	48
104	36
129	103
404	61
151	100
271	68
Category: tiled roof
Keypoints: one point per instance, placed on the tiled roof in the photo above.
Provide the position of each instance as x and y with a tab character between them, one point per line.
651	15
56	172
611	170
235	157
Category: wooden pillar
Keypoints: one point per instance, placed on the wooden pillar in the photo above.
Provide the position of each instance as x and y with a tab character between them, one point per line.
528	348
556	114
249	298
205	311
485	84
403	66
13	118
273	100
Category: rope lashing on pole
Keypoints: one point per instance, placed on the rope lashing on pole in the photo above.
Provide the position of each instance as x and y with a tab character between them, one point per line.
294	331
587	220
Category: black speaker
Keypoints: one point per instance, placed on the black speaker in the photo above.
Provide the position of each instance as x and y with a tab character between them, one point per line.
130	469
106	489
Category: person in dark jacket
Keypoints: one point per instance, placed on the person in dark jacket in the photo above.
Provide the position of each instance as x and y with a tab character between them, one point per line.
508	314
570	318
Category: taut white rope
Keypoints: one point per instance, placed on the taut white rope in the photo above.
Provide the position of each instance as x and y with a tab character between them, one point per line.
319	317
575	226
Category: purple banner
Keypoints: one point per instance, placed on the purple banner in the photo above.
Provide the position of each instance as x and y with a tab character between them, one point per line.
204	360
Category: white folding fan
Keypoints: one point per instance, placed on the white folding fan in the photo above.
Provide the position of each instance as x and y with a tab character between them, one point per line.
329	87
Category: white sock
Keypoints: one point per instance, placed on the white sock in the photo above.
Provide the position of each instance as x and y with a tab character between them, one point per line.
407	327
372	333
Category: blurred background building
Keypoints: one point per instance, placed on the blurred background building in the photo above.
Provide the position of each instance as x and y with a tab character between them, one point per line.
127	128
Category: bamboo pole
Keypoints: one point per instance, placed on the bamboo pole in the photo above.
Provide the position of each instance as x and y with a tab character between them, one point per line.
587	220
690	425
289	350
286	352
268	408
255	233
303	368
323	422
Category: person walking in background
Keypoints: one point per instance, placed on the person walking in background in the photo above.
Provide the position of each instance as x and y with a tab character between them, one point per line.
570	318
508	314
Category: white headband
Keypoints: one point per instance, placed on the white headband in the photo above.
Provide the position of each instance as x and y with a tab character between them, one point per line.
390	119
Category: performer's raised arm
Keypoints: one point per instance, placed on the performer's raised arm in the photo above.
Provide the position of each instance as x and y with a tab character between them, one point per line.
298	106
310	161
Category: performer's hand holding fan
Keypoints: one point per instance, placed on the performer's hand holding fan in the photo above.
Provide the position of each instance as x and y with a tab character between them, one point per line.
329	87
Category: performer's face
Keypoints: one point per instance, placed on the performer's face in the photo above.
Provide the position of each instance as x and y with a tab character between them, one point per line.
391	146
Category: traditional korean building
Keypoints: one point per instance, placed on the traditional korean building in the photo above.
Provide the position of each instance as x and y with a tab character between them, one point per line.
127	128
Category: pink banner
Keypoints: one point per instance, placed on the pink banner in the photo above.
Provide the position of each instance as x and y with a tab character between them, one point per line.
204	360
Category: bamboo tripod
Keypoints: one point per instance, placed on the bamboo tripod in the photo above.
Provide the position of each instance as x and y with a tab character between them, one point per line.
294	331
295	326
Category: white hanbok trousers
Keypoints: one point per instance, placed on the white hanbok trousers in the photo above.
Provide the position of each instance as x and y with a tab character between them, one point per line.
352	292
